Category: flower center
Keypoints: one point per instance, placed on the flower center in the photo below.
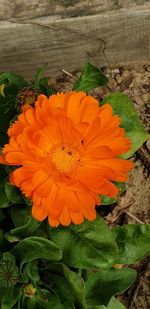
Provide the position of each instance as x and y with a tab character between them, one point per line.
65	158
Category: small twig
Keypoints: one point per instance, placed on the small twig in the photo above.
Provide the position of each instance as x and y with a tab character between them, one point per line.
119	210
135	295
137	285
67	73
133	217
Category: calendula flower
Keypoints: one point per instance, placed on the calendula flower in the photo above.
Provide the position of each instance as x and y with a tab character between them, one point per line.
67	149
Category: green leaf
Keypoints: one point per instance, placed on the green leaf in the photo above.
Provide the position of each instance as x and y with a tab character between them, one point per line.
8	257
19	215
77	284
101	286
31	303
11	238
105	200
113	304
3	241
90	78
39	74
3	199
60	286
32	248
10	298
12	193
42	83
133	242
123	106
47	300
69	305
32	272
26	230
13	79
90	244
25	224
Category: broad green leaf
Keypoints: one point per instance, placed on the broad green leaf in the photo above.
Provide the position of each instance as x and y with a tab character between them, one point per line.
8	257
3	241
12	79
69	305
113	304
105	200
31	303
102	285
77	284
12	193
32	248
19	215
123	106
32	272
47	300
25	224
11	297
3	199
133	242
91	77
61	287
26	230
90	244
54	268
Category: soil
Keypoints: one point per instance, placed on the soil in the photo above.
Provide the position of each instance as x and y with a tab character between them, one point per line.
134	205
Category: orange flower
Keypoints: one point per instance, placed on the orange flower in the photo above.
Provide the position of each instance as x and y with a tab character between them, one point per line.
67	150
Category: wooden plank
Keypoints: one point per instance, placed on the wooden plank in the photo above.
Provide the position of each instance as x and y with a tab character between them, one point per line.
57	9
117	38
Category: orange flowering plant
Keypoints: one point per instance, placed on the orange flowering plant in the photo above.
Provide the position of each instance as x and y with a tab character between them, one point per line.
63	155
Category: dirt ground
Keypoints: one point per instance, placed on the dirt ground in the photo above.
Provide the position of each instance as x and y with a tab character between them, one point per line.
134	205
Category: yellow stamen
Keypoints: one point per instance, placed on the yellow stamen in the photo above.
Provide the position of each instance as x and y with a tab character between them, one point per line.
65	158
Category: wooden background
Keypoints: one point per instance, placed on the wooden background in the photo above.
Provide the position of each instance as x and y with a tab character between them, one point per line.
67	33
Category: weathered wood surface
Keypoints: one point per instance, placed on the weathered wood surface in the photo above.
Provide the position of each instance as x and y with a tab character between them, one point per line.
56	9
114	37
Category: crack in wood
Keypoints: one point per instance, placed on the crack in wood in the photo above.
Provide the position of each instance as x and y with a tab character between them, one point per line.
102	42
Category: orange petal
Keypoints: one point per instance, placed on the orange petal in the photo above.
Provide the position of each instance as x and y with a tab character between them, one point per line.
100	152
45	188
108	189
38	213
16	158
88	205
92	132
89	109
65	217
105	115
77	218
120	166
53	222
74	106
